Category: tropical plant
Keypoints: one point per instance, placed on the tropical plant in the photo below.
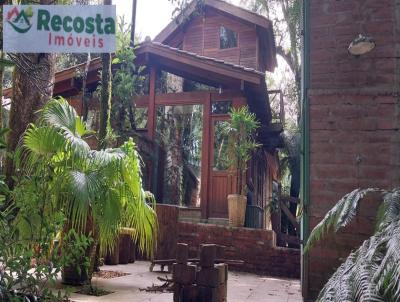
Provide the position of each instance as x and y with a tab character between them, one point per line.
99	192
28	265
240	130
127	80
372	272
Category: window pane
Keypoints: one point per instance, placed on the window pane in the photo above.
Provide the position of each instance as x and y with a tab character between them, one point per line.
180	132
221	107
221	159
141	117
228	38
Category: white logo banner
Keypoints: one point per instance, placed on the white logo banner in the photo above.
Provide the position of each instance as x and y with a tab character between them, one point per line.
59	28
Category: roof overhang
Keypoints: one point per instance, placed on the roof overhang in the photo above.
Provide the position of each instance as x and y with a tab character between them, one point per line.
197	68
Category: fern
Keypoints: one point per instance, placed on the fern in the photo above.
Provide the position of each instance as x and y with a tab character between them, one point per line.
372	272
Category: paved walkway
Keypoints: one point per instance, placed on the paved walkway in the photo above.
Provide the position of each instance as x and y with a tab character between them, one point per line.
242	287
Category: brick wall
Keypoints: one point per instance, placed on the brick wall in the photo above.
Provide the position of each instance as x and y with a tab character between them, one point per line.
354	119
257	248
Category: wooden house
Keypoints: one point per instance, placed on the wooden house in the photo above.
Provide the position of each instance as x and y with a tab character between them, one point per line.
225	51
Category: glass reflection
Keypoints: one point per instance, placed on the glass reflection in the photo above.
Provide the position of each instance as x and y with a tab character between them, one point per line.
179	130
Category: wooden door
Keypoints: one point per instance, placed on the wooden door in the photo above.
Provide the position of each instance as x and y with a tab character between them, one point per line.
221	178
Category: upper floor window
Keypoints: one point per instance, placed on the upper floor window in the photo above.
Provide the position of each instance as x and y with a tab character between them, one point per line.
228	38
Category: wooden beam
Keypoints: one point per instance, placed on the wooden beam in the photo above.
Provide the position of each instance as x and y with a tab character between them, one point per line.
205	158
290	216
151	123
180	57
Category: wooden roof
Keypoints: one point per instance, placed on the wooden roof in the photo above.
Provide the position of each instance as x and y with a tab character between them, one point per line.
264	26
202	69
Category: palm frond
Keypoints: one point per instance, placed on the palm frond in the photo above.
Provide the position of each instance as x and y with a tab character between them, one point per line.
103	187
371	273
60	115
339	216
34	142
390	208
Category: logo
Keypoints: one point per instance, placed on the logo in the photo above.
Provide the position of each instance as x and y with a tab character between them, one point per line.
20	20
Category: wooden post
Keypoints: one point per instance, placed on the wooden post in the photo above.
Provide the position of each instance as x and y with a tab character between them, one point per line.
205	157
151	123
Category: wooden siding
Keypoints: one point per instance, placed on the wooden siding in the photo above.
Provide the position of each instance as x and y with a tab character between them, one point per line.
177	40
201	36
193	37
247	40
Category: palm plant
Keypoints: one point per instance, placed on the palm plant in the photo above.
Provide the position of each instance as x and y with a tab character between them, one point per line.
241	130
99	192
372	272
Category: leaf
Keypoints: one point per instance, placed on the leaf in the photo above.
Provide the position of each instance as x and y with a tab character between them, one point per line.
116	61
6	63
339	216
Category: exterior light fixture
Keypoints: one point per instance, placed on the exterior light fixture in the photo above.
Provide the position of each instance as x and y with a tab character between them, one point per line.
361	45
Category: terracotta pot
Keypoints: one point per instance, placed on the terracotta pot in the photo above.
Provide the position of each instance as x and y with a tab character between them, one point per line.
237	209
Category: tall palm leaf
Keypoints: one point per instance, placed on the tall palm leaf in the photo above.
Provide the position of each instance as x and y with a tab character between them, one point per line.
103	185
372	272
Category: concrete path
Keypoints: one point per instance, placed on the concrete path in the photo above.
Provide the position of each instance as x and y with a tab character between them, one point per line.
242	287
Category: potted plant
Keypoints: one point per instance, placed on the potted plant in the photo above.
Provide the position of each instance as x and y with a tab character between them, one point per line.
240	130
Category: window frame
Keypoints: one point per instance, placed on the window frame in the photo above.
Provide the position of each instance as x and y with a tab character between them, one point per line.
219	38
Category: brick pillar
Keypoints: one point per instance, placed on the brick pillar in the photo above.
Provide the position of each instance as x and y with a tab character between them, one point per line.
184	276
211	279
206	283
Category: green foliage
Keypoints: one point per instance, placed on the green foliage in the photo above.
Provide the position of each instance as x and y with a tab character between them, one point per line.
74	247
181	6
289	160
102	186
28	264
6	63
372	272
128	80
240	130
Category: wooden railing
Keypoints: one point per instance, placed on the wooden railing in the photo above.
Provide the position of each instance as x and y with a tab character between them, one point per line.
285	224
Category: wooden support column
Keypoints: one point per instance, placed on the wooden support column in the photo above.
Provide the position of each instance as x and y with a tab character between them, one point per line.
151	123
205	157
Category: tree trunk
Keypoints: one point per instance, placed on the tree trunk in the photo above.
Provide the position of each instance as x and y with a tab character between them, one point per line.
85	105
32	88
30	92
1	88
105	98
105	101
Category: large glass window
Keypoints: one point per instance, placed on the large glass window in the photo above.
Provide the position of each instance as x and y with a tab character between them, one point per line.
179	130
228	38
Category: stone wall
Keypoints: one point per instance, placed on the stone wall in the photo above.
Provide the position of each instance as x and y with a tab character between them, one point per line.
354	119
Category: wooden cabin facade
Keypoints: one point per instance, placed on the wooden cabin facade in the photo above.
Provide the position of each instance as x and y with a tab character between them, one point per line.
228	49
